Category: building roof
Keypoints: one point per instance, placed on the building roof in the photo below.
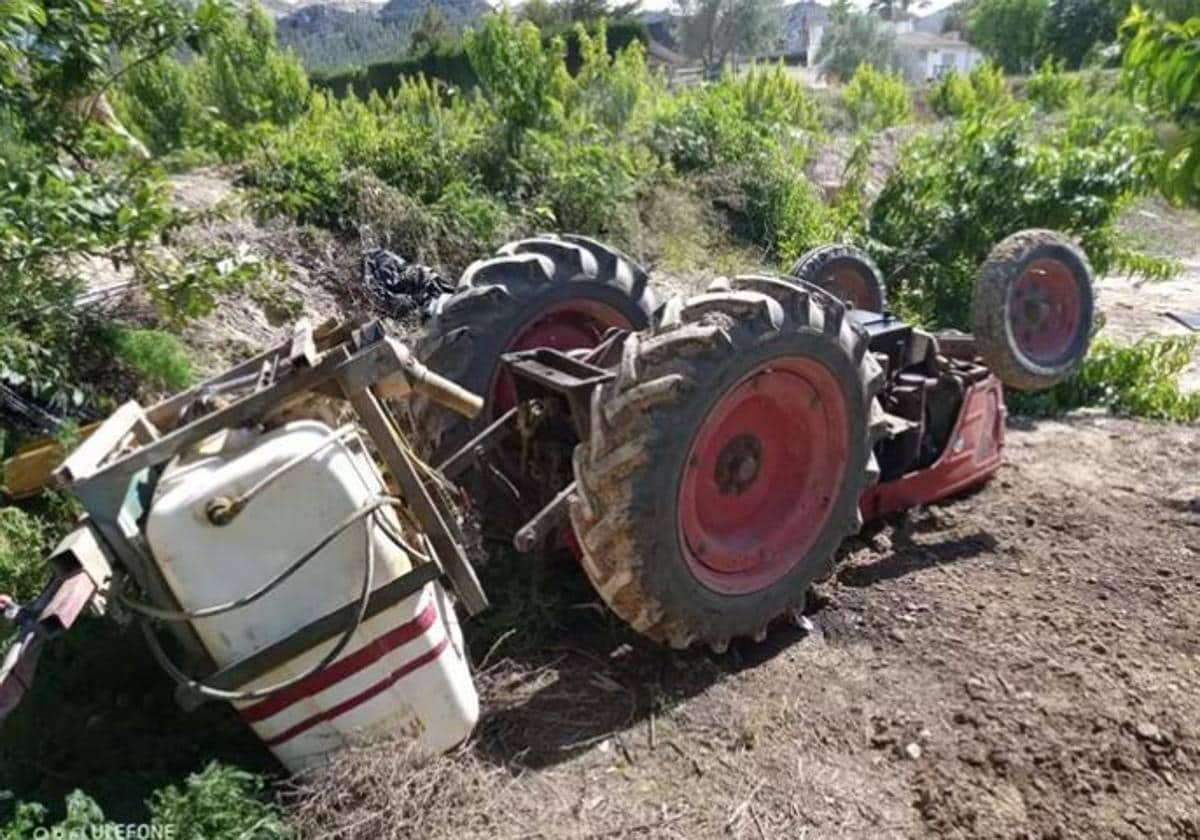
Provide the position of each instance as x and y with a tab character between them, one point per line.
931	41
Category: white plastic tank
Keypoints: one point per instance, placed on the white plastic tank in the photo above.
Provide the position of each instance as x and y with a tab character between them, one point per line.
404	670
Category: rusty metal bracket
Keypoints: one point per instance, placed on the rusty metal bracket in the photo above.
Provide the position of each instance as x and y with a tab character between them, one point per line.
544	369
544	522
474	449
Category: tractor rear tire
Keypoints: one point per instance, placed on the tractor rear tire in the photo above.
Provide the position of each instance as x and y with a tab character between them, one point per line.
562	291
1032	309
747	415
844	271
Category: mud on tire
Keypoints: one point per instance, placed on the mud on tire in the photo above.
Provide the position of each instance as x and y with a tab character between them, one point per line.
499	304
1032	309
632	474
846	272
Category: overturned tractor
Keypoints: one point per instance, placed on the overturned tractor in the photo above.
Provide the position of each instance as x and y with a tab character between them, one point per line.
704	458
289	522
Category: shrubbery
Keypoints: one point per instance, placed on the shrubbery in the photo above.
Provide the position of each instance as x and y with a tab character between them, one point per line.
957	94
537	147
955	195
877	99
1052	89
1139	379
213	97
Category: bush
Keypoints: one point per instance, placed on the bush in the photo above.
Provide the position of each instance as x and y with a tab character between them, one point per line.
984	88
580	177
158	100
954	196
1051	89
243	77
855	40
219	98
1139	380
877	100
733	121
219	801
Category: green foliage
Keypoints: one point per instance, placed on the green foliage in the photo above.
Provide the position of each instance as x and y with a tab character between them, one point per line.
1139	380
156	355
713	31
449	62
23	547
1010	32
855	39
735	120
954	196
1073	28
1052	89
220	96
582	177
984	88
522	81
219	801
1162	67
782	212
877	100
159	101
244	79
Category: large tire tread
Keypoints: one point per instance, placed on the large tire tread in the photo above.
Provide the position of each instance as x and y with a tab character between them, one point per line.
659	370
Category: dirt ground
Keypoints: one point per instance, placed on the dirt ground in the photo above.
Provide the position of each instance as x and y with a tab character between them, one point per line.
1022	662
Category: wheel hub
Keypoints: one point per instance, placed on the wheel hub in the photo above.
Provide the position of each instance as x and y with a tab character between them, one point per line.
1044	311
737	465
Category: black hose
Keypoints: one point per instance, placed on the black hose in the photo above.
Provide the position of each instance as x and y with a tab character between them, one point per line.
213	693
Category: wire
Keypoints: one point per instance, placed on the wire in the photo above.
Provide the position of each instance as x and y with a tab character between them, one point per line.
213	693
236	505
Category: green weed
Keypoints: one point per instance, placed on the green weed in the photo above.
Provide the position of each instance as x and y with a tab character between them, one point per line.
156	355
1137	380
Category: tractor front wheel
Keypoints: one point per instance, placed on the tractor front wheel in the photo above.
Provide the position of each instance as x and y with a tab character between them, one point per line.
1032	309
726	461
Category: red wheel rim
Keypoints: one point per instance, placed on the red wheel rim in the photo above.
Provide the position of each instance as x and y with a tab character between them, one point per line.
1044	311
572	325
762	475
852	286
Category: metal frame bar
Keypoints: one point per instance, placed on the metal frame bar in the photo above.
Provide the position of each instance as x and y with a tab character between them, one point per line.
337	360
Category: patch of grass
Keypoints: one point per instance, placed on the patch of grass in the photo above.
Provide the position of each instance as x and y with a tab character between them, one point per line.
23	545
1136	380
156	355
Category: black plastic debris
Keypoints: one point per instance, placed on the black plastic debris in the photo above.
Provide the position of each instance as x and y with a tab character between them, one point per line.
399	287
1191	320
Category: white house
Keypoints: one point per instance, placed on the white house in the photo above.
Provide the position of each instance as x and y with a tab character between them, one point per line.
927	55
930	56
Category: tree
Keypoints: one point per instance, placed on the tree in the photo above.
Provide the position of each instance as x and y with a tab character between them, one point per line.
71	190
433	32
890	9
1162	67
716	30
1009	31
858	39
1073	27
